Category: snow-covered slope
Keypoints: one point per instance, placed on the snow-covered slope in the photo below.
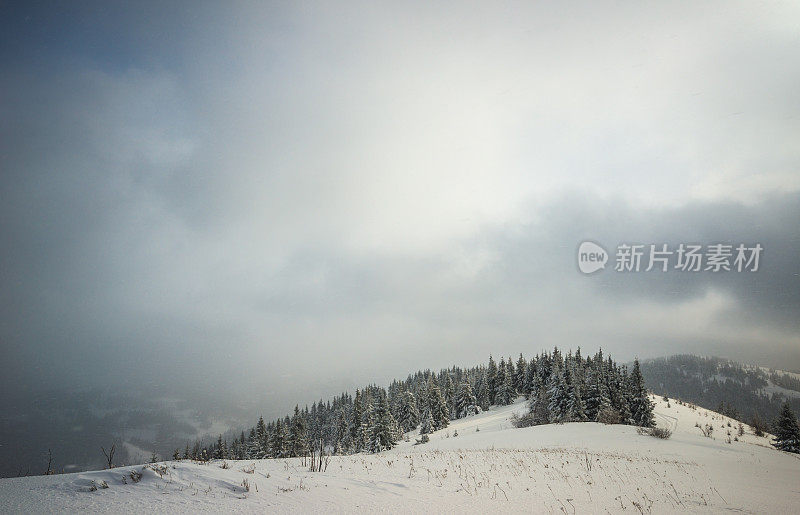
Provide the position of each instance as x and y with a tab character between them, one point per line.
489	465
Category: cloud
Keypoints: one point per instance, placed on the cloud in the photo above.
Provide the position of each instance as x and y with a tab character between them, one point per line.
369	190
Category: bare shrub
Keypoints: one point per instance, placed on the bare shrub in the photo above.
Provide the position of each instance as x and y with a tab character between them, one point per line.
161	470
109	455
525	420
655	432
660	432
319	458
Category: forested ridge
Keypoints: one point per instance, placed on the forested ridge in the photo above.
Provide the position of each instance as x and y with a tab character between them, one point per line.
560	388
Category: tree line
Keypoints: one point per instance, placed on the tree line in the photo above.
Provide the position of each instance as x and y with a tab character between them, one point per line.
558	388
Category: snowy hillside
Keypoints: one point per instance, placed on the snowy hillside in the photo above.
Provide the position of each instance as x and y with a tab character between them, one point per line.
745	391
489	465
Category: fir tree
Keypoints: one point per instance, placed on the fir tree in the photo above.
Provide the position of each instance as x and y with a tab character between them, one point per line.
530	376
253	446
426	427
519	377
482	392
409	415
575	407
596	392
298	439
558	395
787	432
437	406
618	388
538	405
342	436
641	407
260	447
355	423
503	393
491	379
365	431
449	395
507	391
220	451
278	445
466	403
382	432
511	372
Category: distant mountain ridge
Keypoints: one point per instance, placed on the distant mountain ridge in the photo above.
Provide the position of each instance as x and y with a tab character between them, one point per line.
740	390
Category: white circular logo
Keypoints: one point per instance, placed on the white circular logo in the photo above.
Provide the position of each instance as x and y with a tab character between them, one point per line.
591	257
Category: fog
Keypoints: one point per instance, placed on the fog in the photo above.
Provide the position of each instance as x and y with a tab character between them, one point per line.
282	201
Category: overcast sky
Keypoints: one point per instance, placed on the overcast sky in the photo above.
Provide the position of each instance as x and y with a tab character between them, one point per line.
247	195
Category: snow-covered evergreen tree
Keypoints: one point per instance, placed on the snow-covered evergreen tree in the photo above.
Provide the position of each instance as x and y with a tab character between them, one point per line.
279	443
426	427
530	377
356	422
519	376
511	371
539	405
505	389
298	436
787	432
596	391
440	414
466	403
367	419
342	436
259	447
618	388
449	393
558	395
482	391
641	407
219	449
382	432
575	408
409	415
491	379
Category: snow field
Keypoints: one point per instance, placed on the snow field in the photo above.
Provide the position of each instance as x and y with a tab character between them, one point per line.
489	466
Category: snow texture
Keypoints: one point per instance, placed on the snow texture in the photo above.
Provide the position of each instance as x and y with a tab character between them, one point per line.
489	467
